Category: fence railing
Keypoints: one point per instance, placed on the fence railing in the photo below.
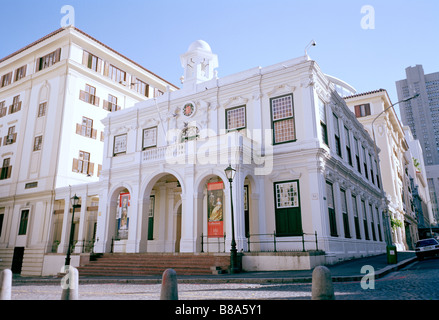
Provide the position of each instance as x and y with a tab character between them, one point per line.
278	242
265	242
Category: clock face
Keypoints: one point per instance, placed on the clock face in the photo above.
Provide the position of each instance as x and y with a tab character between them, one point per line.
188	109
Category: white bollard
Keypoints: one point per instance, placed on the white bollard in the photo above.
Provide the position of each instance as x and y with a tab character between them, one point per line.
322	288
5	284
70	283
169	289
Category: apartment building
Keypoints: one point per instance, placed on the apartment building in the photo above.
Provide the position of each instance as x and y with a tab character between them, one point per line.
53	95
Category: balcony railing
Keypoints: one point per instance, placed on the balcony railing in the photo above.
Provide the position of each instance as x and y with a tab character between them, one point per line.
225	149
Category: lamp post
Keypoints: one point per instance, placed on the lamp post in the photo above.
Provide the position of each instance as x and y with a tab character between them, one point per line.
230	174
75	204
389	239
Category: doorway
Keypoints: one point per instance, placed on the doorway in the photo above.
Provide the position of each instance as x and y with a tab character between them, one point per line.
17	260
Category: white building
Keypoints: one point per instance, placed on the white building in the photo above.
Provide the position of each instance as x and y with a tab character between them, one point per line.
393	159
53	94
290	137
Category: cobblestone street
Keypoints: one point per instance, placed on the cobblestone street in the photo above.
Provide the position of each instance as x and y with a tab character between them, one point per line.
417	281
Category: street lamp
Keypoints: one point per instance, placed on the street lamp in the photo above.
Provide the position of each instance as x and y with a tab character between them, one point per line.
389	244
75	204
230	174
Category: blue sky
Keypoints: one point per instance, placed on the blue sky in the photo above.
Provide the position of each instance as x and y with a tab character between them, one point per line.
247	33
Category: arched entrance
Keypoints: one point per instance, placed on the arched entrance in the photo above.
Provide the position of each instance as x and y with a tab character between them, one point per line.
162	211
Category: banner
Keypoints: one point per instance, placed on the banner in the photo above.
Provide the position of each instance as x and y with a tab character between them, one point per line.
215	209
122	217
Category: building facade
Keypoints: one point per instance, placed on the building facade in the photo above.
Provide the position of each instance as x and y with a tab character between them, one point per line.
393	160
53	94
290	137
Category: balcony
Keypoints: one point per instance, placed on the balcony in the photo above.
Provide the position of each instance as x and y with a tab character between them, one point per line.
86	131
89	98
223	149
10	139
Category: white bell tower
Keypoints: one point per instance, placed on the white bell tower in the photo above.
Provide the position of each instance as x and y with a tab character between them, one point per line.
199	64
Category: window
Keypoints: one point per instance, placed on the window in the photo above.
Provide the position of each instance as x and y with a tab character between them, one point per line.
365	163
378	225
377	175
23	222
372	226
282	116
111	104
331	209
86	128
344	210
42	109
3	109
287	208
366	229
348	145
38	143
91	61
371	169
6	169
120	144
89	95
16	105
83	164
141	87
337	135
149	137
2	215
6	80
116	74
357	154
48	60
11	137
323	127
20	73
362	110
235	118
356	220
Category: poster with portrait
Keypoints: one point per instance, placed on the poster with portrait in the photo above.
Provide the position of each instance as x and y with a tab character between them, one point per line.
122	216
215	200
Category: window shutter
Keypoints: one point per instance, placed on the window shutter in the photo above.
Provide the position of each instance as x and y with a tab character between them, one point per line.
78	128
91	166
93	133
75	165
358	111
85	55
106	67
99	65
57	55
96	101
8	174
367	107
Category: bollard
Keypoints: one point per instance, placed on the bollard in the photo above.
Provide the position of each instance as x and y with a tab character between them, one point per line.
70	289
322	288
5	284
169	289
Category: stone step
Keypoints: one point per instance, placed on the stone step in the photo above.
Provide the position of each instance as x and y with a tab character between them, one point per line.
155	264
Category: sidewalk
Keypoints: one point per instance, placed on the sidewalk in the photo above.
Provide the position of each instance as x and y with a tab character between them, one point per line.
343	271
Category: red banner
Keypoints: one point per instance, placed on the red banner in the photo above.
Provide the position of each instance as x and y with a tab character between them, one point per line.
215	199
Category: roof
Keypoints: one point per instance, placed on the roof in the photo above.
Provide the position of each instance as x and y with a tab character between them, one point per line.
365	93
90	37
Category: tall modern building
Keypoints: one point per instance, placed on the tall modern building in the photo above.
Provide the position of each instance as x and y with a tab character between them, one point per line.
422	116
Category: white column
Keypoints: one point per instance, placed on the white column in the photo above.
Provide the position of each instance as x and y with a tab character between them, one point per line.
82	224
65	233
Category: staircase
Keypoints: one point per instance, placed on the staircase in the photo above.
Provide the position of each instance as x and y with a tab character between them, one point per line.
143	264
